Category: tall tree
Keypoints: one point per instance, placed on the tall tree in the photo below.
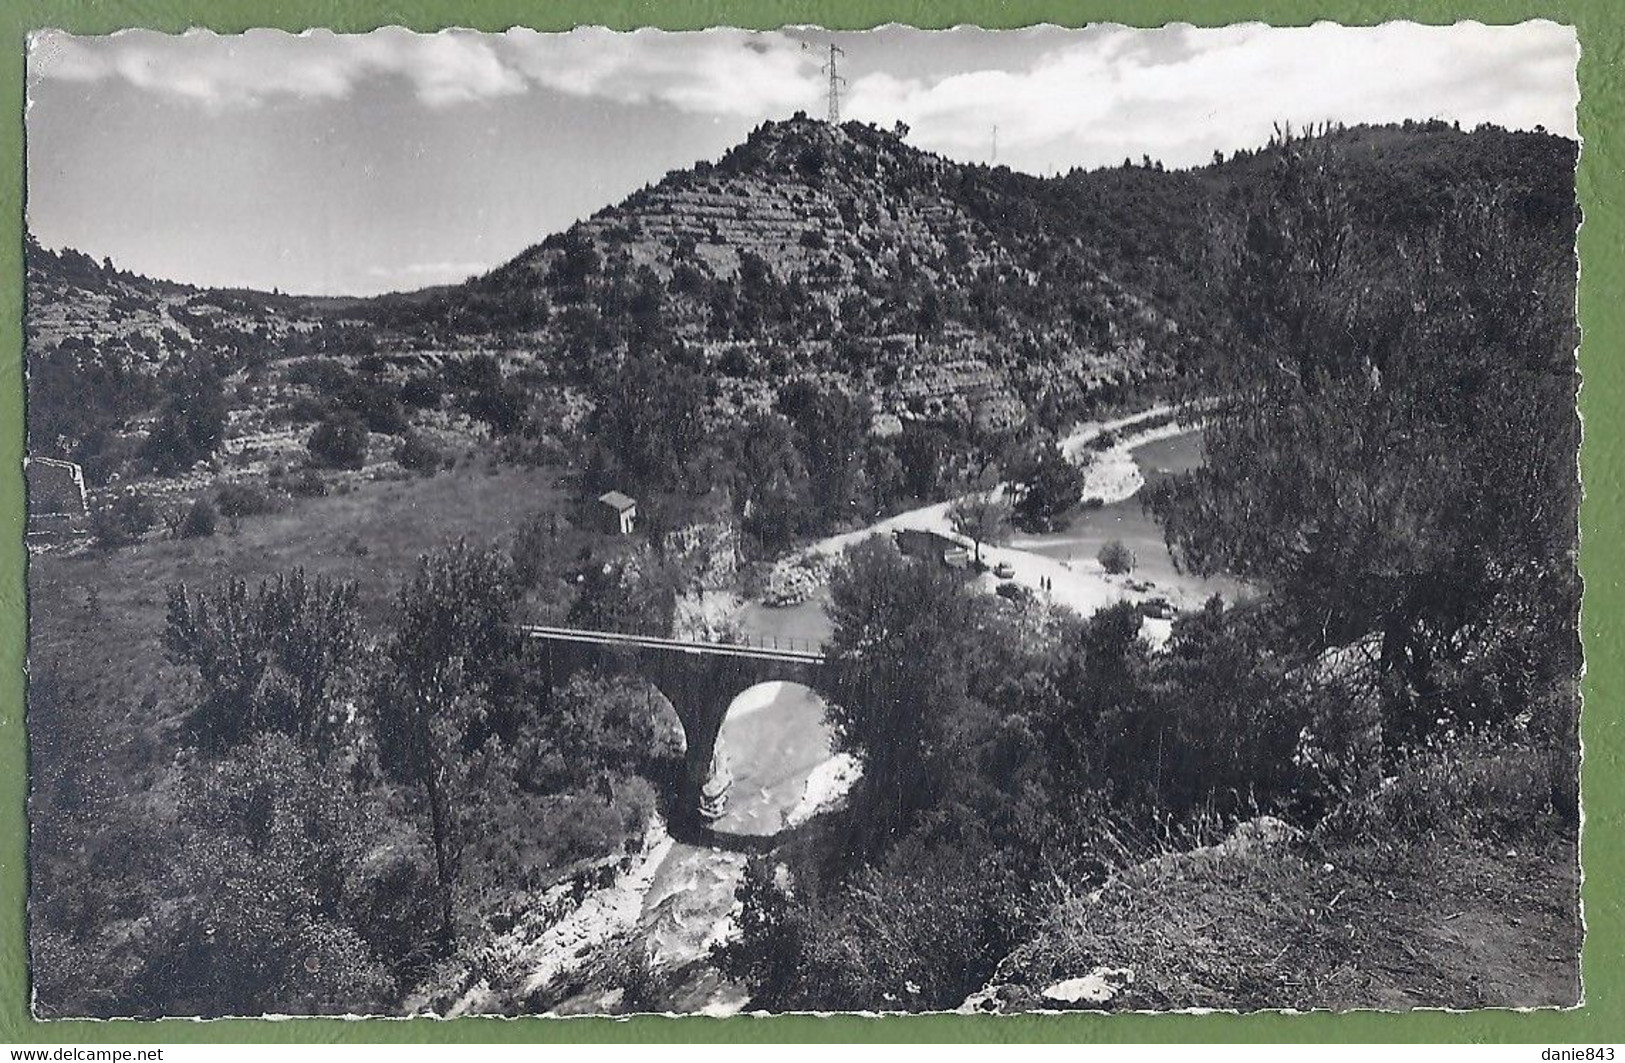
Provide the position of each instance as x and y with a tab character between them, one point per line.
833	428
1394	451
454	638
1046	486
771	487
649	415
901	650
983	516
192	422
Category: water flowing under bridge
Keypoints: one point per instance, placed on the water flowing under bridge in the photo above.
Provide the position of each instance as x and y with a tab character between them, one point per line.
700	679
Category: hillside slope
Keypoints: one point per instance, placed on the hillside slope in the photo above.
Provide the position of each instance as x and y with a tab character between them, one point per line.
969	297
837	252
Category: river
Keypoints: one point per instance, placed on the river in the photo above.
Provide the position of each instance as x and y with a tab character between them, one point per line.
1088	530
681	900
778	748
1065	557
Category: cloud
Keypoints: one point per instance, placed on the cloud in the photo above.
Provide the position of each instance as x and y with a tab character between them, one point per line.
713	72
261	65
1063	97
1181	93
716	72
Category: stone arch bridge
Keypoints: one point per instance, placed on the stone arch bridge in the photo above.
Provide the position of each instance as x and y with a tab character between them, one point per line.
700	679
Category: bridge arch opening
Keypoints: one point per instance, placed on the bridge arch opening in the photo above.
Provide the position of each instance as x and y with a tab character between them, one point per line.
773	736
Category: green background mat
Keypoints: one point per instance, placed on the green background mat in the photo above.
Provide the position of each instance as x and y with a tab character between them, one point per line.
1601	25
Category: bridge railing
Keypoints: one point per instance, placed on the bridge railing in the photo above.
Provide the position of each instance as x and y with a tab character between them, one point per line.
780	648
779	642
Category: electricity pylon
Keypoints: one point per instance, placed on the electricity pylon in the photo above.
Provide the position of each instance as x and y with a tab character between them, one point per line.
835	83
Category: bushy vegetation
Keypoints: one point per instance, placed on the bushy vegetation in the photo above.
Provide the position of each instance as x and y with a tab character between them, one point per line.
349	810
192	422
339	442
417	453
124	519
1115	557
1408	476
200	521
243	500
1399	486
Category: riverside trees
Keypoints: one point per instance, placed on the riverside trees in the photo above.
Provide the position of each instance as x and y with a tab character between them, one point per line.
1046	484
902	633
1394	454
1003	748
346	808
983	517
1392	464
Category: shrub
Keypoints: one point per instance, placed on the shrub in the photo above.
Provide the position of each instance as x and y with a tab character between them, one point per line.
479	371
322	374
242	500
191	424
422	391
375	403
501	406
269	659
200	520
309	485
736	362
340	442
1473	785
417	453
1116	558
124	520
306	409
1015	592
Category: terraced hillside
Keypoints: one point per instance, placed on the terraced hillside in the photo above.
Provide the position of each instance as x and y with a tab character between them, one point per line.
843	251
960	298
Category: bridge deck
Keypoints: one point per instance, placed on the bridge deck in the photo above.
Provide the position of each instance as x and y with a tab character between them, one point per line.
650	642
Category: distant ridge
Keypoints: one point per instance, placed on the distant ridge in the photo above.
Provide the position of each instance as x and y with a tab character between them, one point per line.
950	292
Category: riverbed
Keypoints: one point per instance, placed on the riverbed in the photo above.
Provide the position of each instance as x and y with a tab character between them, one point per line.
1061	564
680	900
1087	530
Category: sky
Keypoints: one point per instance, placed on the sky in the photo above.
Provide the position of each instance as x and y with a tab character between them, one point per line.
327	164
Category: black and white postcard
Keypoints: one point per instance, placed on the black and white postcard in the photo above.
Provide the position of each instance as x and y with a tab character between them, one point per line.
895	521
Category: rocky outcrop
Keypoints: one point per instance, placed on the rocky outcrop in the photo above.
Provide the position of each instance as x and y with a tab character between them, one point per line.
795	580
707	553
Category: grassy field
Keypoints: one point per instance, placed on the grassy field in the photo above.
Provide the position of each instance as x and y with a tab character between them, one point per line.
96	618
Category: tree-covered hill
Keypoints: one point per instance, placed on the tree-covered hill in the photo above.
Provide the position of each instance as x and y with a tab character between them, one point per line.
976	299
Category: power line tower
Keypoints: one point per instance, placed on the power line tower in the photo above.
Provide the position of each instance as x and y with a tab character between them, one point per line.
835	83
993	160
